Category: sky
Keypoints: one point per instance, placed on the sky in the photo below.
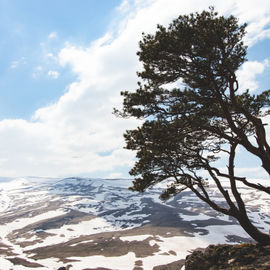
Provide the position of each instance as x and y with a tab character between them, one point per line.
63	64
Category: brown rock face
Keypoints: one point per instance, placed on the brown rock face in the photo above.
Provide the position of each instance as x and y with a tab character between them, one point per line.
230	257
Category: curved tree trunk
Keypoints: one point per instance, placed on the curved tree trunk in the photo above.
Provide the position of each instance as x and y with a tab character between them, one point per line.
257	235
266	164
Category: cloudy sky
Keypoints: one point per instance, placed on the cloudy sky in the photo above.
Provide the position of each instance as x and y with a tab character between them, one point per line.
63	64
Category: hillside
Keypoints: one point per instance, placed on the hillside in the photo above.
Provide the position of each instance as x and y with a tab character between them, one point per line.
93	223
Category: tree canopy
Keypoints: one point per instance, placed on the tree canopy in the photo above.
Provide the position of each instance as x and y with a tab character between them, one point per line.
193	109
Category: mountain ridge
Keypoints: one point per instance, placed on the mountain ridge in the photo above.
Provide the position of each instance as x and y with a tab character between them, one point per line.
85	222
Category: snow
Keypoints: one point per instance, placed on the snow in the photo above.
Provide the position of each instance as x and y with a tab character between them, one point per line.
180	244
116	263
135	237
23	222
82	242
195	217
116	209
71	231
5	264
4	201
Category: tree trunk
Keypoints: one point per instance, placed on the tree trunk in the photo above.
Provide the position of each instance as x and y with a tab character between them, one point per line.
257	235
266	164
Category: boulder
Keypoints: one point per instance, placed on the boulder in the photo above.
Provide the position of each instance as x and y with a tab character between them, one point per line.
230	257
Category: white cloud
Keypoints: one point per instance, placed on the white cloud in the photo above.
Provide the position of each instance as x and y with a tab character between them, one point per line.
248	72
53	74
14	64
78	133
37	71
50	56
124	6
52	35
257	15
114	175
17	63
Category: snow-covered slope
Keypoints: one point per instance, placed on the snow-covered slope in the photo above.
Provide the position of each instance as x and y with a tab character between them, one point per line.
90	223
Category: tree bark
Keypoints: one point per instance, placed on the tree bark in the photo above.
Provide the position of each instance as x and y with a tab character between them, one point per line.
257	235
266	164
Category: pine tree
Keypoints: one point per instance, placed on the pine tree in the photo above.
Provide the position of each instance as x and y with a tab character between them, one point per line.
186	128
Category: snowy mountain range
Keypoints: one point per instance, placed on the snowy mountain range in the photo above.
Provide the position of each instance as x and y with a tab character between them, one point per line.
84	223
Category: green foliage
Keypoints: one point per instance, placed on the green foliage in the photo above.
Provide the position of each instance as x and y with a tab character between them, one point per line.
194	47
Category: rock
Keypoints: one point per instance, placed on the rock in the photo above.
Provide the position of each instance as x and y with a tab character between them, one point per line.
177	265
230	257
231	261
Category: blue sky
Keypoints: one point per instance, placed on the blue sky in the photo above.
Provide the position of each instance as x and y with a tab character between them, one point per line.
34	28
63	64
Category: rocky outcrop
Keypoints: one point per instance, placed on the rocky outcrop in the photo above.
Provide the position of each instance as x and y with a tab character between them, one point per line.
171	266
230	257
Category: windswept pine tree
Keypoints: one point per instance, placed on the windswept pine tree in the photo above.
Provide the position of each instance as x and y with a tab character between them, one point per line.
187	128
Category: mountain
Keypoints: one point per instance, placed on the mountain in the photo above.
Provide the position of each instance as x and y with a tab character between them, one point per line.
82	223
